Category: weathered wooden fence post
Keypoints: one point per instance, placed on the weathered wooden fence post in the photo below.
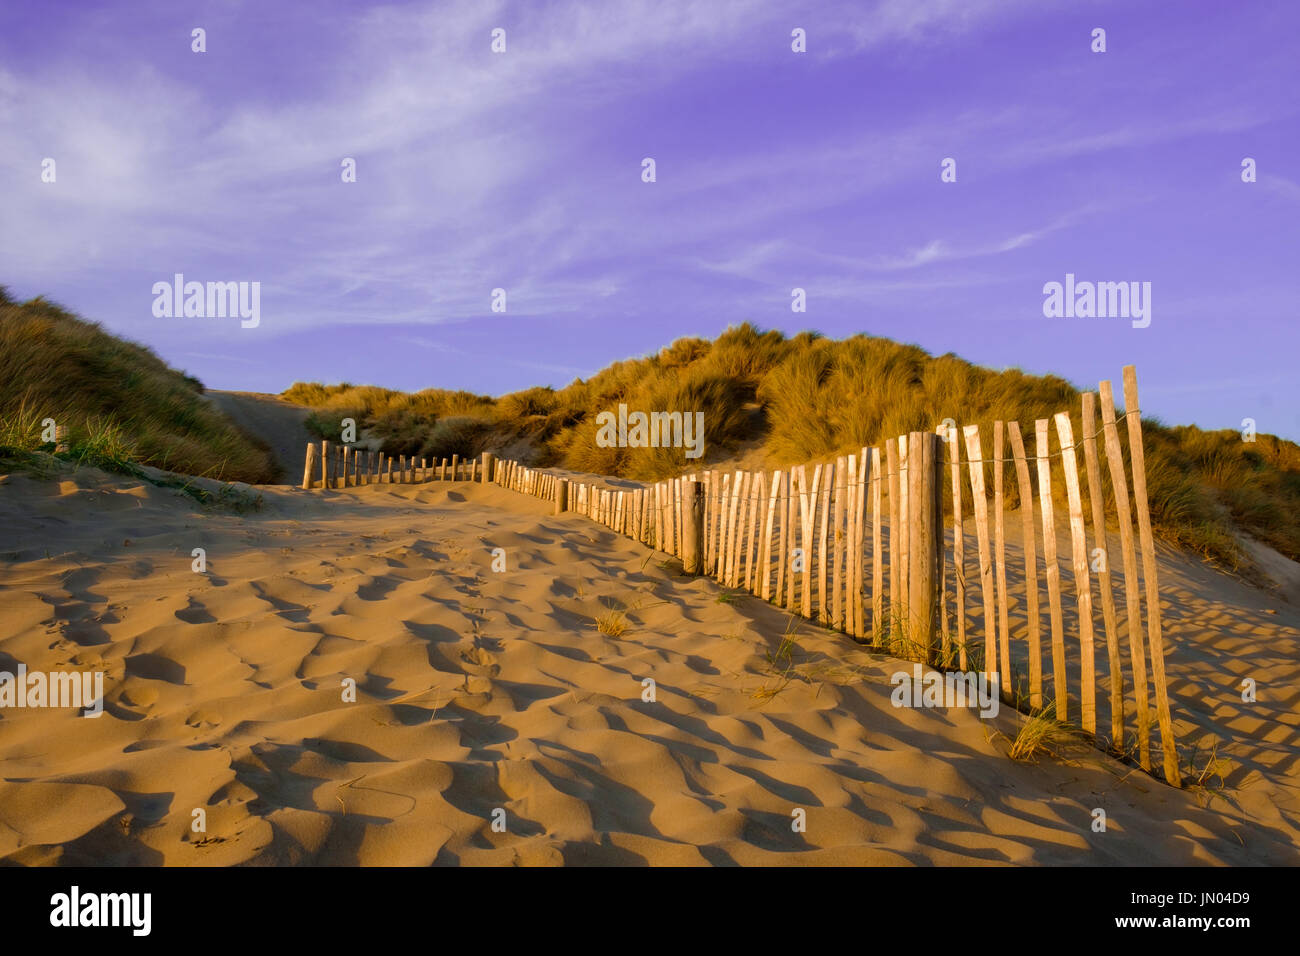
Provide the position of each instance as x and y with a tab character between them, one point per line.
311	462
61	439
1082	576
980	504
1052	571
1031	566
925	461
562	497
1155	638
692	527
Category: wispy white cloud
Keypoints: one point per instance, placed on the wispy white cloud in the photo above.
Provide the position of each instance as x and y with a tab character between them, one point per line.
932	251
940	250
924	21
1280	185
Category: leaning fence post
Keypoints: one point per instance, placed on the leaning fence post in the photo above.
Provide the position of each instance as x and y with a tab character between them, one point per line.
1155	639
562	497
311	462
1132	600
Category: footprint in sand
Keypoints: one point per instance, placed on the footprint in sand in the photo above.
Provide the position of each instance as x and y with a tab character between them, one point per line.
203	719
481	657
195	613
141	697
155	667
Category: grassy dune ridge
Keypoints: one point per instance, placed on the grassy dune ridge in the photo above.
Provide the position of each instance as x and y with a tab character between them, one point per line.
807	398
120	402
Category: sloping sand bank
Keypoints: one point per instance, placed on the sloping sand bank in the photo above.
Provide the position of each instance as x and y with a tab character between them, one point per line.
278	423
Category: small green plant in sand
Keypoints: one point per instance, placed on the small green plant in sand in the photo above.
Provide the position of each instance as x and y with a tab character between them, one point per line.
1127	750
770	689
780	664
1196	779
1043	734
614	621
1019	692
105	444
898	641
21	429
783	656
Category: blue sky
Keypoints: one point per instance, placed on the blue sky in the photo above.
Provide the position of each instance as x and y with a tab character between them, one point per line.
522	170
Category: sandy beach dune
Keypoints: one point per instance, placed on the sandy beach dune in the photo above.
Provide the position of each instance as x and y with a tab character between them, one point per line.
481	690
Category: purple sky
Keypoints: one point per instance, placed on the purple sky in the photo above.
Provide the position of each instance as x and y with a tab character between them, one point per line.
522	170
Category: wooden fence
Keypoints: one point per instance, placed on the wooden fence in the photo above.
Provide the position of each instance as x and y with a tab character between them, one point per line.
331	465
866	544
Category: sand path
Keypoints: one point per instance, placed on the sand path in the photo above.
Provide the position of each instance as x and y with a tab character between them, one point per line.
274	421
482	690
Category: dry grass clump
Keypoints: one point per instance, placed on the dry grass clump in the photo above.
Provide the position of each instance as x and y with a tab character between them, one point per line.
1043	735
1198	778
612	623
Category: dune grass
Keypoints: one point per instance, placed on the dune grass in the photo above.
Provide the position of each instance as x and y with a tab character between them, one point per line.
612	623
807	398
1042	734
120	403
